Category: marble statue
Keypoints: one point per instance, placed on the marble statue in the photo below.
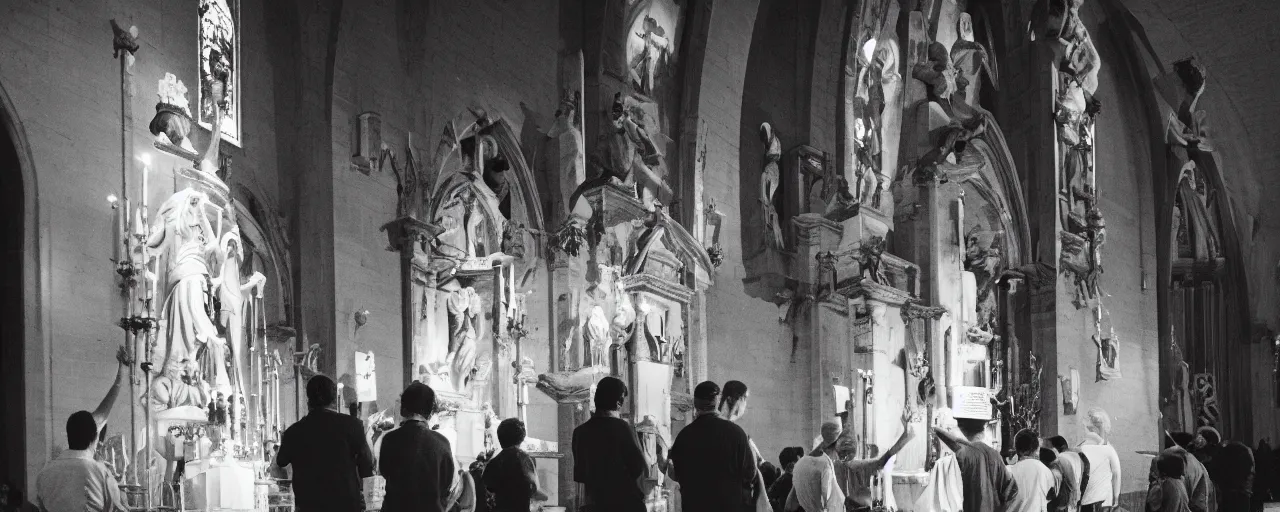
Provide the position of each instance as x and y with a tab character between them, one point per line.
656	51
1108	357
575	385
826	274
769	180
870	253
567	129
513	239
952	141
596	336
654	229
464	309
186	242
179	385
457	218
232	303
971	60
631	151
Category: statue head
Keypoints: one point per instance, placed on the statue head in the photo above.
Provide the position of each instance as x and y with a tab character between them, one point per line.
964	28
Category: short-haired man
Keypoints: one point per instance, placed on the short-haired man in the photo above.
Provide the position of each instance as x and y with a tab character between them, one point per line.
607	458
987	483
511	476
1069	475
712	458
1035	481
74	482
416	461
328	453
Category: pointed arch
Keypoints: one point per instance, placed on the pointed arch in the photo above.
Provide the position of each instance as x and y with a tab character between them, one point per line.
35	432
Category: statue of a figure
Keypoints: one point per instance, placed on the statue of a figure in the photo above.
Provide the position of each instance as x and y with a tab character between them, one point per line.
654	229
769	180
232	302
826	274
178	385
513	239
870	252
567	129
596	336
953	140
866	162
971	60
631	152
656	52
464	311
187	241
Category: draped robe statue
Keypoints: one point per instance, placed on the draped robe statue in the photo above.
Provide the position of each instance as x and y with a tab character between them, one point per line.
186	241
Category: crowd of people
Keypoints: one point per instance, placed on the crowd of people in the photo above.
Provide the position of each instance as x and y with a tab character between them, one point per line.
713	463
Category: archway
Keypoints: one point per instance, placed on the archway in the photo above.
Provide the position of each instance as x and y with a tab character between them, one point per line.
24	430
12	369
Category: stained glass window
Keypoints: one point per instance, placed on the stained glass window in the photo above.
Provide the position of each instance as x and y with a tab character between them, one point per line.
219	65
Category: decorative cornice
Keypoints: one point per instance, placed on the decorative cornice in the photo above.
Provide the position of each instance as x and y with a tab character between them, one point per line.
657	286
866	289
408	230
809	228
915	311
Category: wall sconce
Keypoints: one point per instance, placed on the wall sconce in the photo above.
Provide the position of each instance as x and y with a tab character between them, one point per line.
366	144
361	317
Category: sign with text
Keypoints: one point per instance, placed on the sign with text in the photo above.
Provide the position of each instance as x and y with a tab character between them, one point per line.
971	402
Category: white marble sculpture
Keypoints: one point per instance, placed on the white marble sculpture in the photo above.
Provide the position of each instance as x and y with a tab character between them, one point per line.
186	241
769	179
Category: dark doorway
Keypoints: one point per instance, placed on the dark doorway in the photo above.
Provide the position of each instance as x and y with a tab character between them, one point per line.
12	371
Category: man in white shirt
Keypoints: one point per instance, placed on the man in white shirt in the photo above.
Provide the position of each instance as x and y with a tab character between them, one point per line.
1034	479
74	482
814	486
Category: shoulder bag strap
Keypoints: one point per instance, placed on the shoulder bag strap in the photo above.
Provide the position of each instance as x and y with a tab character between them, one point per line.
1084	473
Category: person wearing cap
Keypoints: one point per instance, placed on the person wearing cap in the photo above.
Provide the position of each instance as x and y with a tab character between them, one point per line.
830	477
988	485
711	458
607	458
328	453
416	461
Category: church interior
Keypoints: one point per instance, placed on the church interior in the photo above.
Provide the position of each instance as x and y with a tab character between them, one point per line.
1041	208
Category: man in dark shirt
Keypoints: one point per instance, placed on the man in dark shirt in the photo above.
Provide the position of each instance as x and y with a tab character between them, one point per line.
782	487
328	452
712	459
416	461
511	475
988	485
607	458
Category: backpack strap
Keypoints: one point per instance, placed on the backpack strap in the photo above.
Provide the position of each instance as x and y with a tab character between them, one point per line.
1084	473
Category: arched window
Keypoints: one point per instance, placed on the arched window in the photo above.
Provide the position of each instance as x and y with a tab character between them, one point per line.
219	50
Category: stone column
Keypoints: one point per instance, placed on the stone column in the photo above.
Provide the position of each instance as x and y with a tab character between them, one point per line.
405	235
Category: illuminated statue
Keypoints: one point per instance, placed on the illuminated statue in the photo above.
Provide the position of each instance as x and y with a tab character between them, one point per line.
186	241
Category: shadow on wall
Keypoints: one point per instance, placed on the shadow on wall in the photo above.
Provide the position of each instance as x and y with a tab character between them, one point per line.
776	91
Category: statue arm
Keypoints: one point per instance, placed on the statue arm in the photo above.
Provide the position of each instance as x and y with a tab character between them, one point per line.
157	234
